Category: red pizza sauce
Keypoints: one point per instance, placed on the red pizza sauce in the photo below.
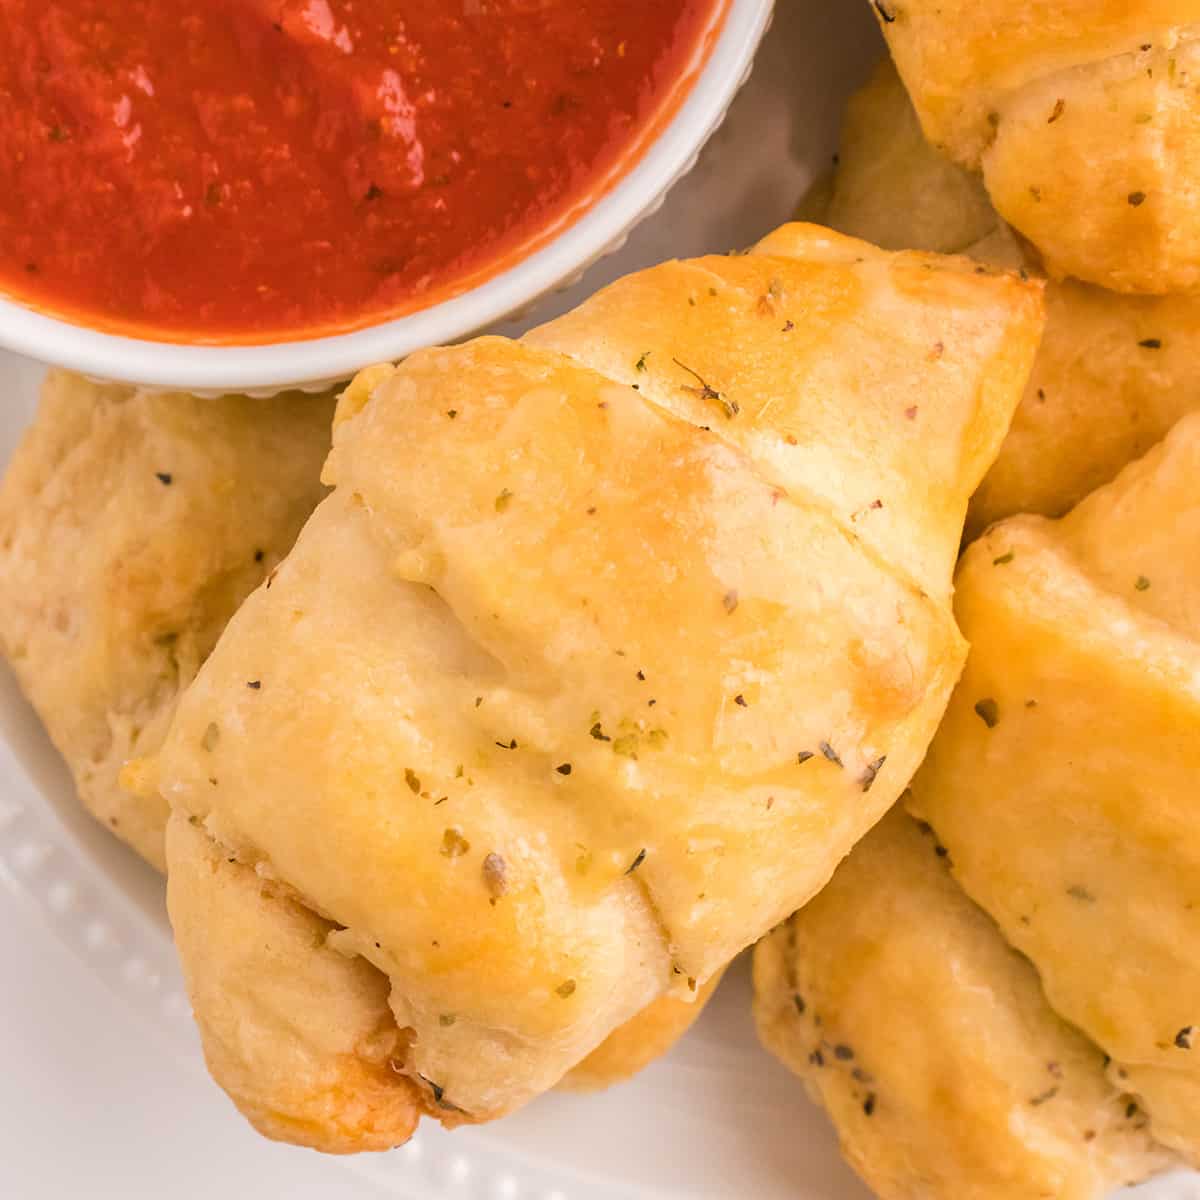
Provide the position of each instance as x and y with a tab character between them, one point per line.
243	170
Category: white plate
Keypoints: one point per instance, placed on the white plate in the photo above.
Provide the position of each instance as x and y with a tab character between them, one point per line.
717	1117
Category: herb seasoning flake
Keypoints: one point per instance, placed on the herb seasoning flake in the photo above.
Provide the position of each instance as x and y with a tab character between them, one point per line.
706	391
454	845
869	776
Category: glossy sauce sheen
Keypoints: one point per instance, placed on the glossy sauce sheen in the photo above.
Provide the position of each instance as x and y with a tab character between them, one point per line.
236	170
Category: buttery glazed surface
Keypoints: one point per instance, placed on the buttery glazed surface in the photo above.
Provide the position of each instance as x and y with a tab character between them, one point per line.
929	1041
1114	373
1083	117
530	564
1063	779
250	169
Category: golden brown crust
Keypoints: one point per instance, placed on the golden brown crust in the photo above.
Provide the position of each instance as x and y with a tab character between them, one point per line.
1114	372
1114	375
960	59
824	317
131	527
635	1045
1063	778
1084	118
1109	190
930	1043
572	689
299	1034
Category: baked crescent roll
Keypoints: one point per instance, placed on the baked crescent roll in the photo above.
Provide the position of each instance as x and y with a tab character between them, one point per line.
930	1044
1063	781
132	524
606	648
890	186
1083	116
115	590
1114	372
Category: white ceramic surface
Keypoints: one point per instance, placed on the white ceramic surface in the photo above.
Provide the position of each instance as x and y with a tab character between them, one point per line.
599	231
717	1118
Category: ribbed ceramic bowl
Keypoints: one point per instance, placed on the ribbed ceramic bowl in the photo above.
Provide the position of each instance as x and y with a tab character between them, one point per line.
600	229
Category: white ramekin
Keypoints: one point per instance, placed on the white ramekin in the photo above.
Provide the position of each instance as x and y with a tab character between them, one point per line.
309	363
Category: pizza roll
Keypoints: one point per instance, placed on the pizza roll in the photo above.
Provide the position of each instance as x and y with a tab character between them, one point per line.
891	187
930	1044
1114	373
107	629
606	648
1084	118
132	524
1063	779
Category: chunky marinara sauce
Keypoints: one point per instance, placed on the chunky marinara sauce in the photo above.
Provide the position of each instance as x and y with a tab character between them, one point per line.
238	170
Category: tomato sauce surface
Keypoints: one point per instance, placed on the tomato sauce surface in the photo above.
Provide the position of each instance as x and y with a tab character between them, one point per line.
244	170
